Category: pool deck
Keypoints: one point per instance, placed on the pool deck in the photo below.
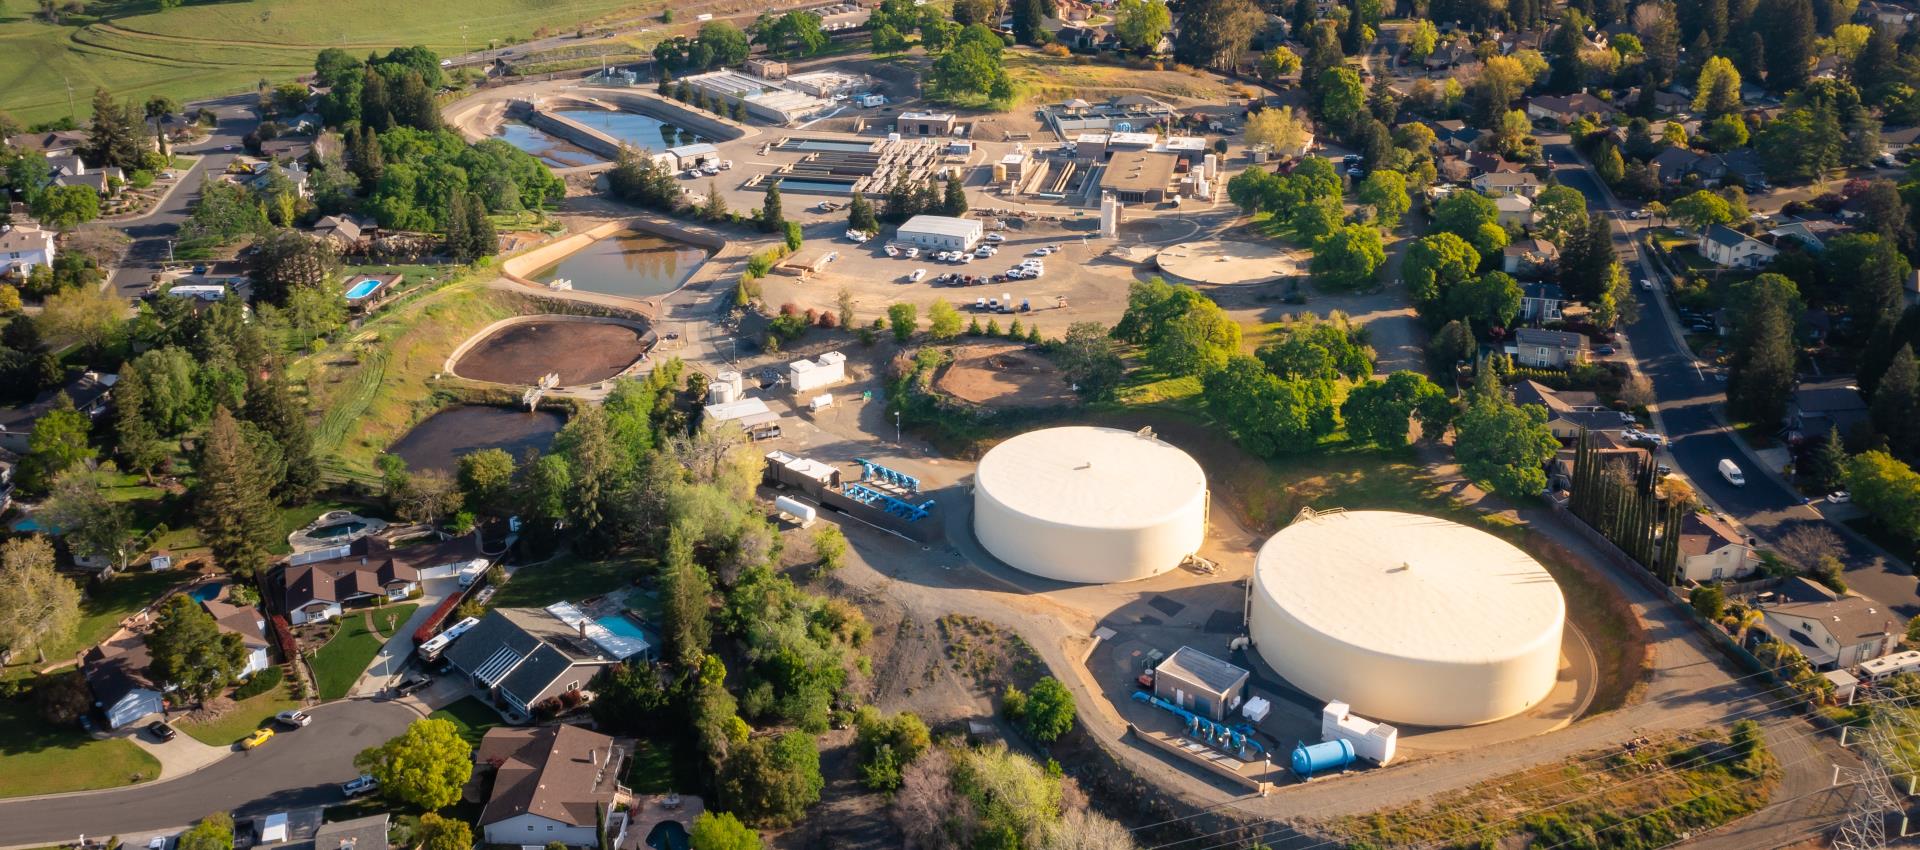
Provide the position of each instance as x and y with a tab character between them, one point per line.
648	810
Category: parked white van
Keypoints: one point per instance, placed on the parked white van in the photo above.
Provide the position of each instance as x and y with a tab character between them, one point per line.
1731	471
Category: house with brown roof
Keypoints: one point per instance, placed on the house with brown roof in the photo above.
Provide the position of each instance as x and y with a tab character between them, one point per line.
116	674
1569	412
319	585
551	783
1568	109
1711	549
1835	634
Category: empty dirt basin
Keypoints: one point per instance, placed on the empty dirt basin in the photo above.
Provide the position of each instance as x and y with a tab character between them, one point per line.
520	351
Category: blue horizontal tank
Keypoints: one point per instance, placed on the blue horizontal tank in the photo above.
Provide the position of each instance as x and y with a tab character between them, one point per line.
1309	759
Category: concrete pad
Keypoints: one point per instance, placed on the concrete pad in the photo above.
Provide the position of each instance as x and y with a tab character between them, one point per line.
1229	262
182	755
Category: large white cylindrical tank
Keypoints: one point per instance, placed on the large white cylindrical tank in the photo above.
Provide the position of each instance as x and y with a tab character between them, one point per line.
1089	505
1407	618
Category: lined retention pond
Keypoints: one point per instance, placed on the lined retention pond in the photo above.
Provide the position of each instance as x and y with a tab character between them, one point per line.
641	131
442	439
635	265
555	152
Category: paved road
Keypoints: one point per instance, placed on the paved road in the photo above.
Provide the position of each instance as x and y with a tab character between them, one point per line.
298	768
1688	398
151	233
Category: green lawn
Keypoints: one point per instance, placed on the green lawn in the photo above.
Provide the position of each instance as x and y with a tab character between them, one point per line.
101	613
249	714
295	518
339	664
205	49
568	579
42	760
472	716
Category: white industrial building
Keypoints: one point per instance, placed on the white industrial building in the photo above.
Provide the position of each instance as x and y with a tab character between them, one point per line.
1406	618
942	232
765	99
806	375
1089	505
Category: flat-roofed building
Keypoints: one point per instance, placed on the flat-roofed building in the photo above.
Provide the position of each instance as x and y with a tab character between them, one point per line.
942	232
925	124
1139	177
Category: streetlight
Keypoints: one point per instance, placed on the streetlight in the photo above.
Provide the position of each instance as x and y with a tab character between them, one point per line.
896	426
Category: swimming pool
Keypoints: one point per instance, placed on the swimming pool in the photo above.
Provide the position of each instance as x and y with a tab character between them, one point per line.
207	592
668	835
622	625
362	289
329	532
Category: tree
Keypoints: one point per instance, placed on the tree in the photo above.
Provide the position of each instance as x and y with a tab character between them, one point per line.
971	66
1701	210
215	832
1386	191
1504	447
66	207
886	745
1049	711
1266	414
772	218
773	780
438	833
1141	24
1492	299
1895	407
1873	272
37	603
943	321
236	518
903	319
288	259
58	443
1280	129
1421	40
1089	361
1560	211
1435	264
426	766
1709	601
92	525
1339	96
687	598
1787	30
61	698
1348	257
1464	213
1609	166
1029	21
1826	465
191	652
954	200
115	138
1214	33
860	215
1888	489
1761	373
486	479
87	316
1726	133
1378	412
1277	63
1196	341
722	831
271	406
1717	93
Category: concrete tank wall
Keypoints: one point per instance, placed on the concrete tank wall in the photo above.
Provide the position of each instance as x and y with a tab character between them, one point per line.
1084	554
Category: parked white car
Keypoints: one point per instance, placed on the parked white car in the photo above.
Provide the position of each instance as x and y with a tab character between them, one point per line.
996	238
917	275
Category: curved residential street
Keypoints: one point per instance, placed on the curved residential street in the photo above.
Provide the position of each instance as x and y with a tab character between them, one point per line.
297	768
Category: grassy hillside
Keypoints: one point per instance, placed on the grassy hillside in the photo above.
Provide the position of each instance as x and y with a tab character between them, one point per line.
211	48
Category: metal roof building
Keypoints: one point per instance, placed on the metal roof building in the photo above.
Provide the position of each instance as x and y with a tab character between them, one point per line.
1200	683
942	232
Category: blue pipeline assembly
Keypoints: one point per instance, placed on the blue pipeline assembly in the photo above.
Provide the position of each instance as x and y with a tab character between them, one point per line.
1309	759
1236	740
868	491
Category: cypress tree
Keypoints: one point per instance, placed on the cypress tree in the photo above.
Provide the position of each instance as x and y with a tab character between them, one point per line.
376	112
1894	406
272	406
955	201
482	240
235	516
772	218
453	221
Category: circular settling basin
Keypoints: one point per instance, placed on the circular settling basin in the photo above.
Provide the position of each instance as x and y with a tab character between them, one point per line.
630	264
525	352
1228	262
442	439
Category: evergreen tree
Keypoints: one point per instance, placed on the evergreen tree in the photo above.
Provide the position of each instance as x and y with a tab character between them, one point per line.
1787	35
415	103
376	112
773	219
236	518
1895	410
370	163
1827	464
1762	370
715	207
482	240
115	139
899	201
454	221
1353	38
955	201
1029	21
860	215
272	407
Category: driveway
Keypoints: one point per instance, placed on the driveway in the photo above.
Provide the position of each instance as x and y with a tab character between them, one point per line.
152	232
298	768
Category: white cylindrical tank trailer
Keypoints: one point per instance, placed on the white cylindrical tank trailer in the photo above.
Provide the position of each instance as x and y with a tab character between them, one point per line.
1089	505
1406	618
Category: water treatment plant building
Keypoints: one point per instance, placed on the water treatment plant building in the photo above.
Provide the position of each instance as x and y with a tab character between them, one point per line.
1407	618
1089	505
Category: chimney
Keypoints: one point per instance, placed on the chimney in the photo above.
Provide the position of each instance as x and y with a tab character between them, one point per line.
581	627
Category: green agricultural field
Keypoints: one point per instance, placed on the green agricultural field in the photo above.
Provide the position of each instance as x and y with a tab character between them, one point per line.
209	49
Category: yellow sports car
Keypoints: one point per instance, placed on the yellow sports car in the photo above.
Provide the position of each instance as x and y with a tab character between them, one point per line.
258	737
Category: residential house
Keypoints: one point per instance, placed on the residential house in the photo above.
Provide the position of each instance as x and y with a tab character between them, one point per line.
1711	549
1605	447
1664	102
1893	16
319	585
1541	302
1835	634
1498	183
1744	165
1568	109
1080	36
23	247
116	674
260	175
1818	407
367	833
91	394
1454	136
1453	169
1487	162
1514	210
70	170
1811	233
1569	412
1724	246
1544	349
1447	56
341	230
6	485
52	143
552	783
1894	141
524	657
1529	257
1675	165
247	621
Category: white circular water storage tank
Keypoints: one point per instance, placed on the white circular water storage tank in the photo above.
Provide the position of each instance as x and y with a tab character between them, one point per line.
1089	505
1407	618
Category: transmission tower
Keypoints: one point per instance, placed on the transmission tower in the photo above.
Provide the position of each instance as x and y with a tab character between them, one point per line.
1877	800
